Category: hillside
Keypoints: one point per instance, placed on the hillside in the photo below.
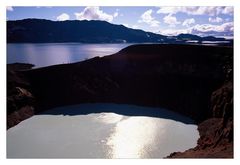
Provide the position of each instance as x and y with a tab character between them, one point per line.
46	31
36	30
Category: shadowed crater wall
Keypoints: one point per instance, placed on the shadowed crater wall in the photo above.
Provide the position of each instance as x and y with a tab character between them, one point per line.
193	80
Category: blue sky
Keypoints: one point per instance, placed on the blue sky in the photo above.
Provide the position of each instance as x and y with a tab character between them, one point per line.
215	20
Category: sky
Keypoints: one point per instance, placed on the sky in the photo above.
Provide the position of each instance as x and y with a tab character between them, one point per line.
199	20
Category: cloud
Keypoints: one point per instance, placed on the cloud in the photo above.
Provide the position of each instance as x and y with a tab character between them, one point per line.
135	26
115	14
197	10
228	10
9	8
169	10
171	20
173	32
188	22
215	20
225	29
43	6
94	13
63	17
146	17
129	26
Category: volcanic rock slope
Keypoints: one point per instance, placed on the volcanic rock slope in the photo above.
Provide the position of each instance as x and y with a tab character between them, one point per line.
193	80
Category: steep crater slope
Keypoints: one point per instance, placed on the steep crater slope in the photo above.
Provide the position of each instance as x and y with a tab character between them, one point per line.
193	80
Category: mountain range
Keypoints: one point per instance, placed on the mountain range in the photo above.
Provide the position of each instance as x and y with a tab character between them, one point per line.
94	31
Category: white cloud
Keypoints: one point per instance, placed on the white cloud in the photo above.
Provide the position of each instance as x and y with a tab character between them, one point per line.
216	20
63	17
44	6
204	28
171	20
94	13
146	17
129	26
135	27
169	10
228	10
197	10
173	32
212	10
9	8
225	29
115	14
188	22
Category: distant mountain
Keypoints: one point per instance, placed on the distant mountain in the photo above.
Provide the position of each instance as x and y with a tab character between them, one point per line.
198	38
188	37
38	30
46	31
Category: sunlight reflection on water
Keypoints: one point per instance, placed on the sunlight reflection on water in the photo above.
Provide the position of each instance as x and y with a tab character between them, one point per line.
100	135
58	53
131	136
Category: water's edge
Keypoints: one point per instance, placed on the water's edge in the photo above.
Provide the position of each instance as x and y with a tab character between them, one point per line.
101	131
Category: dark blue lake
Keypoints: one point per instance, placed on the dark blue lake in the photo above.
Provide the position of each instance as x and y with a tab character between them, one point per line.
58	53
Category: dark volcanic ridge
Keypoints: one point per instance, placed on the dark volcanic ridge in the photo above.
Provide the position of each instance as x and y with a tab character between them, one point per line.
196	81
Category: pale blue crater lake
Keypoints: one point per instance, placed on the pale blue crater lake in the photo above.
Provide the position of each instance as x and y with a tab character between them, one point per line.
102	131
